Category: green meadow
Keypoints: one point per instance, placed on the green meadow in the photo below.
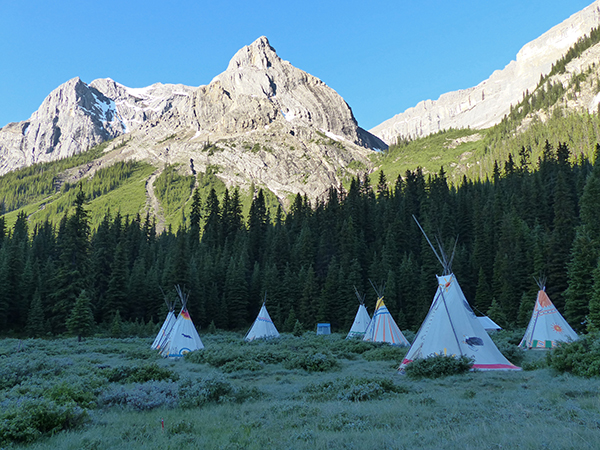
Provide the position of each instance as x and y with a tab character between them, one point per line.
296	392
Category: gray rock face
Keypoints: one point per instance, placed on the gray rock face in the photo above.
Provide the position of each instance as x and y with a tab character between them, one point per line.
486	104
265	122
74	117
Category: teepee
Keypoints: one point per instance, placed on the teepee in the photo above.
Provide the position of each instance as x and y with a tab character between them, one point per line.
382	327
451	327
361	320
184	337
547	326
488	324
167	326
263	326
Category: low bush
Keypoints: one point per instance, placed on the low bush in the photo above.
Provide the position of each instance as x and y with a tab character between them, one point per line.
27	420
385	352
141	396
581	357
14	371
353	346
313	362
212	390
240	356
239	364
438	366
140	374
69	392
507	342
352	389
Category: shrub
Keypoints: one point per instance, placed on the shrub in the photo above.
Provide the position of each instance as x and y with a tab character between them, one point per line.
351	346
581	357
141	396
212	390
240	364
67	392
386	352
438	366
27	420
135	374
14	371
352	389
246	356
313	362
507	342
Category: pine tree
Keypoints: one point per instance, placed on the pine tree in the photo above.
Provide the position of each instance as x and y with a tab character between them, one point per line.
81	319
116	295
483	293
593	318
525	309
73	265
236	293
258	220
116	326
36	323
290	322
212	215
580	270
195	218
496	313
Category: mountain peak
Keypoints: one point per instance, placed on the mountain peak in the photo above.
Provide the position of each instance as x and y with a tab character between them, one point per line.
259	55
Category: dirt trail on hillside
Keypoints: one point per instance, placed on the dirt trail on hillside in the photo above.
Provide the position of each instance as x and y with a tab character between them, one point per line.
152	203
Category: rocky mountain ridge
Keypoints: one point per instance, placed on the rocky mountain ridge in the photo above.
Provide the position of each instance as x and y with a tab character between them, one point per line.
486	104
262	121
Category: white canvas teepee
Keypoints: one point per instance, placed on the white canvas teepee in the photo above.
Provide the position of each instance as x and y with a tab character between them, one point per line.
167	326
361	320
165	331
382	327
263	326
183	338
451	327
547	326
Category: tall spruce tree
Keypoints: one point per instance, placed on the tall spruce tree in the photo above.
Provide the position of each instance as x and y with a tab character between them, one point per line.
72	270
80	321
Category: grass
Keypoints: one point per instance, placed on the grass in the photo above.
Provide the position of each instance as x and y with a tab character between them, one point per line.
360	403
432	152
128	196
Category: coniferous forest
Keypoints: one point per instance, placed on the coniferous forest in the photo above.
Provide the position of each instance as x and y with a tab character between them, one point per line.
532	219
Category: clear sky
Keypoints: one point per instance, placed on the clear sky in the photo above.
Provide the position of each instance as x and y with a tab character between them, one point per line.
382	57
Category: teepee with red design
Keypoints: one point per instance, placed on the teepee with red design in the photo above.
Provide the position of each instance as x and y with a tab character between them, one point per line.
184	337
547	326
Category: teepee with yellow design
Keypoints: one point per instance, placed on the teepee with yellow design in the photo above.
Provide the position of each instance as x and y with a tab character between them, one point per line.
382	327
452	328
547	326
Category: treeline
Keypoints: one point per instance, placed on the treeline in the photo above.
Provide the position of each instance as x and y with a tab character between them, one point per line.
531	219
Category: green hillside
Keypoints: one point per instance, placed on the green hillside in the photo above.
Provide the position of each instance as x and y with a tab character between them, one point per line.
43	192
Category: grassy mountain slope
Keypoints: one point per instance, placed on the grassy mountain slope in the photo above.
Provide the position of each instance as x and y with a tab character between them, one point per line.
557	111
46	191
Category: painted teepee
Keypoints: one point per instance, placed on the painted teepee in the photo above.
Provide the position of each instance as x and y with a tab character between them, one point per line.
451	327
382	327
183	338
361	320
167	326
263	326
547	326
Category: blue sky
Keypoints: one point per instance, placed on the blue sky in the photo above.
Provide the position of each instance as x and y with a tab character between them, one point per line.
381	56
